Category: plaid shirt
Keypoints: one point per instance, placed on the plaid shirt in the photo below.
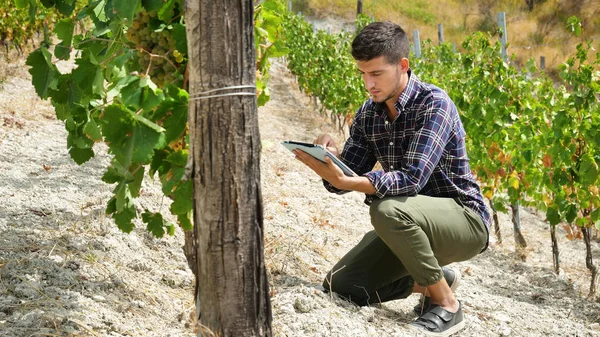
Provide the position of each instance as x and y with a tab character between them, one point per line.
422	151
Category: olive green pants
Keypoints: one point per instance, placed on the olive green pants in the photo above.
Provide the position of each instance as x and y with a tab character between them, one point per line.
413	238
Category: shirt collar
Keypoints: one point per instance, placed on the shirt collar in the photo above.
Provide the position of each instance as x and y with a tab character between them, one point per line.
407	95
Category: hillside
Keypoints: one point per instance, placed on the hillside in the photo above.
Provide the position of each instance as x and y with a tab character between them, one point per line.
531	33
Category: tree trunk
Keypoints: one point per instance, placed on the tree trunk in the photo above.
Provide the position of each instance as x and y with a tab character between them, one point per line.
520	242
496	223
555	251
589	261
232	296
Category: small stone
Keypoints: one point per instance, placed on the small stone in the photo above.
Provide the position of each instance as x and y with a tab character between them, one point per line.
99	298
302	305
506	332
139	304
502	317
595	326
57	259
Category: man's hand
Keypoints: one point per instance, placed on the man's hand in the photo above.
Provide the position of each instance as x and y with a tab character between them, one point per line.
328	170
327	142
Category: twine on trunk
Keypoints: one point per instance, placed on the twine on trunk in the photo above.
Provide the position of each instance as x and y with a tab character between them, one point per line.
200	95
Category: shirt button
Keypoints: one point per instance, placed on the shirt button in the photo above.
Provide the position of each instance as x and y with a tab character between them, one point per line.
391	143
386	122
391	167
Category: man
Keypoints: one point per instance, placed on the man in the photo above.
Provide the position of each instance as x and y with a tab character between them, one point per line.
426	207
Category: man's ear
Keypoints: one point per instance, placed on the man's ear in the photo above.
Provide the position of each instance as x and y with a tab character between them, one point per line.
404	64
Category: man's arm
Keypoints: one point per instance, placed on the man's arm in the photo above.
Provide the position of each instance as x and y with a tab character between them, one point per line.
334	175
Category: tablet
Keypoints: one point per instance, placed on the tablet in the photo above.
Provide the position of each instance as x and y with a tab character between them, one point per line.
319	152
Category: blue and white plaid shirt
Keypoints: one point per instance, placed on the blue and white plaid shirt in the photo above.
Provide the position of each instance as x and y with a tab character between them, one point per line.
422	151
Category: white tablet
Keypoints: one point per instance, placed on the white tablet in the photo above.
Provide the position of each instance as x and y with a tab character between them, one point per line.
319	152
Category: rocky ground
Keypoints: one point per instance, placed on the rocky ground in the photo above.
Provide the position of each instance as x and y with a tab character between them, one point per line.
66	270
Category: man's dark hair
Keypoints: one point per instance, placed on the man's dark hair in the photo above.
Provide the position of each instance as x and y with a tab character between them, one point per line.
381	39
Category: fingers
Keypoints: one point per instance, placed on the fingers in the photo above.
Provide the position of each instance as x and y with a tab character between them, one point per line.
325	140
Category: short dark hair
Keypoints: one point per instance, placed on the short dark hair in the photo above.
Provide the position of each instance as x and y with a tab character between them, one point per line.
381	39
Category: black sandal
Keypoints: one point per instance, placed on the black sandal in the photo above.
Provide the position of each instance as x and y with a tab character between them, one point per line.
439	322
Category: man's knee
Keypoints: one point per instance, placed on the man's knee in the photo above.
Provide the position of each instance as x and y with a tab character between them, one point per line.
390	214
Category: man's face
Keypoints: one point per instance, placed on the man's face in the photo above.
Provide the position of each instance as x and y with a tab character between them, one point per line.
382	79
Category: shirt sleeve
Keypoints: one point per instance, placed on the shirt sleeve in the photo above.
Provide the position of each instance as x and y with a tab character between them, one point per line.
357	153
433	129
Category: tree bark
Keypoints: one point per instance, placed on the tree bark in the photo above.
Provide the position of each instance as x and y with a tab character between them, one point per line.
520	241
555	250
496	223
589	260
232	295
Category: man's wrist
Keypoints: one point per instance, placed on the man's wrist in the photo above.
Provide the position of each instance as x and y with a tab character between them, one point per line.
358	184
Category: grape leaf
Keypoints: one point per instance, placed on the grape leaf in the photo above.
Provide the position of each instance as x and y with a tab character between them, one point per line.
152	5
145	140
183	198
553	216
22	3
64	31
123	219
185	220
180	38
122	9
156	224
136	183
167	11
43	72
588	170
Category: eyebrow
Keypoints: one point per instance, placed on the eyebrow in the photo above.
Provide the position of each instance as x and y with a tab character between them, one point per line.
370	72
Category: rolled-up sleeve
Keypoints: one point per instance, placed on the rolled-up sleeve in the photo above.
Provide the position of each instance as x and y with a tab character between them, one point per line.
357	153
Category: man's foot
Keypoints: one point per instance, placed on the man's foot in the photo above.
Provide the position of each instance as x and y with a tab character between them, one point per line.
439	322
452	276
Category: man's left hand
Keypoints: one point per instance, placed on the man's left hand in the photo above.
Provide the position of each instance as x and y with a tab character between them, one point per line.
328	170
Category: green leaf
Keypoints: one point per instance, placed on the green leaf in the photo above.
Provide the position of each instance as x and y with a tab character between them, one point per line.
595	215
65	7
124	9
588	170
136	184
553	216
123	219
81	156
183	198
64	30
571	213
129	137
185	221
156	224
84	76
158	162
44	74
176	122
145	140
167	11
99	11
152	5
22	3
143	120
92	130
112	175
179	36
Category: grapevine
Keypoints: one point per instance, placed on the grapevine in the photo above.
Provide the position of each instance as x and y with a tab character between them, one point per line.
530	141
128	90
